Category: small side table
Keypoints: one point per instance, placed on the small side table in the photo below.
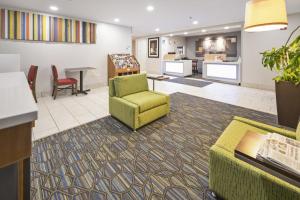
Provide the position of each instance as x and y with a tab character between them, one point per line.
156	78
81	70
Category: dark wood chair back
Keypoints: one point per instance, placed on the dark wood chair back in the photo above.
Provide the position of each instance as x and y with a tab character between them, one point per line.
31	78
32	74
54	73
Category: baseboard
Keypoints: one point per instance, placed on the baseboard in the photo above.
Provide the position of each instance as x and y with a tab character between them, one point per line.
258	86
91	86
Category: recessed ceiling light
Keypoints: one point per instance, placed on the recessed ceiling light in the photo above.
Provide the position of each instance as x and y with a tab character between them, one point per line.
226	27
171	35
195	22
157	29
54	8
150	8
116	20
185	33
203	30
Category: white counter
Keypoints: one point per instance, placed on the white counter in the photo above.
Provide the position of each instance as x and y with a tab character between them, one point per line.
17	105
222	71
177	67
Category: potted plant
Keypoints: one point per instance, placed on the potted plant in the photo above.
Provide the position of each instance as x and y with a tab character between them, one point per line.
286	62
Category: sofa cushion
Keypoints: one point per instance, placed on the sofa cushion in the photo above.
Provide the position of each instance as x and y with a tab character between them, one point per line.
126	85
146	100
298	132
234	133
153	114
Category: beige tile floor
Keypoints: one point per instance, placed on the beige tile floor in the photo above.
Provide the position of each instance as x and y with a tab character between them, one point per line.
69	111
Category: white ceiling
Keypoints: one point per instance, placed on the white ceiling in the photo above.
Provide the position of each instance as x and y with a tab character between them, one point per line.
169	15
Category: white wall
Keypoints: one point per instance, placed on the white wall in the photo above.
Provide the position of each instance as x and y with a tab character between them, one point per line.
149	65
253	73
166	44
141	54
170	44
9	63
110	39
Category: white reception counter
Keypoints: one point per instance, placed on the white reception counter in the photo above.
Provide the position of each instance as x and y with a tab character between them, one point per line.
177	67
222	71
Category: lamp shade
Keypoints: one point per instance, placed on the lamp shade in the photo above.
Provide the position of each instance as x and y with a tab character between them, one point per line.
265	15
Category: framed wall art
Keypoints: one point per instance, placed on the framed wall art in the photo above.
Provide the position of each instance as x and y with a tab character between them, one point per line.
153	47
18	25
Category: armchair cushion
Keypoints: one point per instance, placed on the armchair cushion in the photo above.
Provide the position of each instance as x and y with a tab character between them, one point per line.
126	85
146	100
66	81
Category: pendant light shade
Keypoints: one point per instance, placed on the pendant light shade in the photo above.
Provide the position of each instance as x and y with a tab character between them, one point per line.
265	15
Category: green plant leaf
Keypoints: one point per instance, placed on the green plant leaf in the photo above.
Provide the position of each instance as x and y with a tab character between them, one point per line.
285	61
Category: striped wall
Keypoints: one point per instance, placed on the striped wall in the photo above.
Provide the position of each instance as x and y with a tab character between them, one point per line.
16	25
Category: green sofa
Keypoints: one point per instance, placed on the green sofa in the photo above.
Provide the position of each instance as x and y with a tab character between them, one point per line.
231	178
131	102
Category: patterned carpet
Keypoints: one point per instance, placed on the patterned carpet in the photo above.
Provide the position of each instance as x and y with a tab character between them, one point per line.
168	159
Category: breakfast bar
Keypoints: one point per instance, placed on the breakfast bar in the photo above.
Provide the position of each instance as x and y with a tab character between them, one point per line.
17	116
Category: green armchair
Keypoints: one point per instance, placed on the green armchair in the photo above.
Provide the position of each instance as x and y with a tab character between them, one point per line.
234	179
131	102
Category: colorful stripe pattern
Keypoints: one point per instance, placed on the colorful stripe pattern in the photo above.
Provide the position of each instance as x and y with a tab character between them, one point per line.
16	25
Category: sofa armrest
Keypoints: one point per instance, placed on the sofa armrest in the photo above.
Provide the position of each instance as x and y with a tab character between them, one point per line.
111	88
166	95
125	111
232	178
267	127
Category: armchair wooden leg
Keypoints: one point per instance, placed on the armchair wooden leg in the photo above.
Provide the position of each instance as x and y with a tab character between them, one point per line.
76	91
55	92
72	89
34	95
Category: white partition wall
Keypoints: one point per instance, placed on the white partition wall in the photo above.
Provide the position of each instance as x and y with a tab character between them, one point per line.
9	63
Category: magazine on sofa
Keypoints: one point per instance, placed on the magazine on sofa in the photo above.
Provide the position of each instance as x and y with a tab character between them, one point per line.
280	151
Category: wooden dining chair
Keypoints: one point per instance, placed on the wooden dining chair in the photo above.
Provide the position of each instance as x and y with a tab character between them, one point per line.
67	83
31	78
